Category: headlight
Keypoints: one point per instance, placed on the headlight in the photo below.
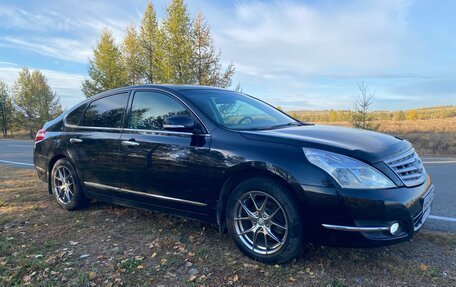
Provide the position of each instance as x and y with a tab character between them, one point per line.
347	171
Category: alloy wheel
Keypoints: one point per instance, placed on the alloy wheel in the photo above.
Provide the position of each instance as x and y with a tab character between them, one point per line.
260	222
63	185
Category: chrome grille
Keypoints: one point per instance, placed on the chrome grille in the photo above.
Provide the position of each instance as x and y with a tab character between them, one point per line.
408	167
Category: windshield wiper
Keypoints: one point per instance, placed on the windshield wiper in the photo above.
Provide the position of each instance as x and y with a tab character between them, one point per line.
255	129
286	125
273	127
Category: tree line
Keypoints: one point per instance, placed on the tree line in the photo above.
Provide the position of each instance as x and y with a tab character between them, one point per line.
28	104
331	116
177	50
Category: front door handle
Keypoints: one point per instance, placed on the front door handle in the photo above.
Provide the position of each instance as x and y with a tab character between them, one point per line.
130	143
75	141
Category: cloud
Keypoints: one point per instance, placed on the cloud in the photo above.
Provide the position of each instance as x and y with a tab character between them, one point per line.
56	47
311	54
63	30
66	85
7	64
283	37
297	54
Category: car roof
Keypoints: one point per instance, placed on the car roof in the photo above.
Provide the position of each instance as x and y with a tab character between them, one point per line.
168	87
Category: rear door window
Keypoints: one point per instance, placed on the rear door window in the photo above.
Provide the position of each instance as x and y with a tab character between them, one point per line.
106	112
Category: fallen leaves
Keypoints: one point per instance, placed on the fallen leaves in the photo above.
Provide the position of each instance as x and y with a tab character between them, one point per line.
165	258
235	278
26	278
92	275
3	263
309	271
424	267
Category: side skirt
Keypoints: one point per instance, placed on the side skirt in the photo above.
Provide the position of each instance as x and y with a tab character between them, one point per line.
205	217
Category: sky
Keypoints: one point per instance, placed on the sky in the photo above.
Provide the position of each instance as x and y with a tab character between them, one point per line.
294	54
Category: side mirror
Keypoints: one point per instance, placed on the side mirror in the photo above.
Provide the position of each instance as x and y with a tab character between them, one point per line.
179	124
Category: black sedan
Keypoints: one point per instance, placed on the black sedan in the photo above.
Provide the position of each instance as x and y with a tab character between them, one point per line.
224	157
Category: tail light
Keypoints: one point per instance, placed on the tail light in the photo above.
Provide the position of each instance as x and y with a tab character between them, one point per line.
40	135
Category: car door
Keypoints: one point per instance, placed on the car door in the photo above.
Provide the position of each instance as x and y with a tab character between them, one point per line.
94	143
163	167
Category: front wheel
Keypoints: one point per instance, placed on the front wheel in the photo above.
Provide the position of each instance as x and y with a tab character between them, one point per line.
265	221
66	186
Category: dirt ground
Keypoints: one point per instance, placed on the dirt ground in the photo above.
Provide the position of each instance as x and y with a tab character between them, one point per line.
106	245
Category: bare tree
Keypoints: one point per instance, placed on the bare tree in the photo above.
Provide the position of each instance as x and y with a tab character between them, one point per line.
361	117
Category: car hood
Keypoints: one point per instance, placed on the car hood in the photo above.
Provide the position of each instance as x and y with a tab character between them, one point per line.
362	144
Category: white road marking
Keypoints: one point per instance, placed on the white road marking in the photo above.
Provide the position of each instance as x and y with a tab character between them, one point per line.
443	218
15	162
440	162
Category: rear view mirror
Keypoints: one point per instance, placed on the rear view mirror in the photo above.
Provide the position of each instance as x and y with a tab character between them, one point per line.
224	101
179	124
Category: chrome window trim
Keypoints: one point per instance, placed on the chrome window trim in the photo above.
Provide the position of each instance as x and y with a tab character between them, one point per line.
164	132
99	185
167	126
92	128
137	130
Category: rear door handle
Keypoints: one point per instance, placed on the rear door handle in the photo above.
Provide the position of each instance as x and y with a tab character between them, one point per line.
75	141
130	143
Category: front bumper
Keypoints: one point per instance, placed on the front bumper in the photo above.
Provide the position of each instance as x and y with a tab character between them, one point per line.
360	218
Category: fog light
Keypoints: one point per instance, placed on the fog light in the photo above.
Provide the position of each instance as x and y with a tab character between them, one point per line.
395	228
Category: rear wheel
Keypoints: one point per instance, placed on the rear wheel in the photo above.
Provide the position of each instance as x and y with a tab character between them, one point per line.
66	186
264	220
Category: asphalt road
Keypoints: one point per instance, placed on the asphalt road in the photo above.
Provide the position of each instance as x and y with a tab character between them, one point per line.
18	153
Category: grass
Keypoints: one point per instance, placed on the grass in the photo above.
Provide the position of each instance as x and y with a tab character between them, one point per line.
106	245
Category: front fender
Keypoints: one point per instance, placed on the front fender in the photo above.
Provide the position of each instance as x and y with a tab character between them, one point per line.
237	174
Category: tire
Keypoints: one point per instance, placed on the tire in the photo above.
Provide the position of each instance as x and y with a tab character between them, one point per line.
272	232
66	186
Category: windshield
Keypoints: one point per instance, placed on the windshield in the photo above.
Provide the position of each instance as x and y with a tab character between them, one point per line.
237	111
